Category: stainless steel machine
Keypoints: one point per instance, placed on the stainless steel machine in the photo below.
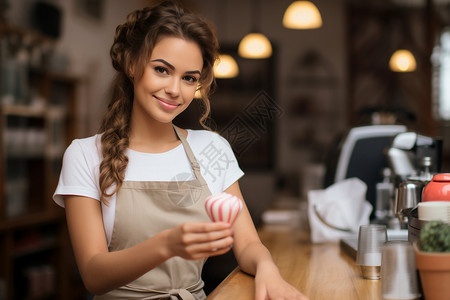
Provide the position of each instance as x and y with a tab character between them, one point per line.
414	159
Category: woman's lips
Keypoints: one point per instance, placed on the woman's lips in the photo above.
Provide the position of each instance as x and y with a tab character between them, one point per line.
166	104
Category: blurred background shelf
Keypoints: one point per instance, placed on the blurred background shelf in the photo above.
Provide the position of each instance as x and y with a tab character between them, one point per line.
37	122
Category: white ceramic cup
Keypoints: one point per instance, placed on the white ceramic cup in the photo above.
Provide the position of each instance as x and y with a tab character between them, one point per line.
434	210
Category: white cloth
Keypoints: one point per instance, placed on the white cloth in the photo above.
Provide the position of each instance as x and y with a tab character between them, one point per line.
342	205
80	170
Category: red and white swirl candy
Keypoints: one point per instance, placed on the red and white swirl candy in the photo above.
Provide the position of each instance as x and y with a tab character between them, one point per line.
223	207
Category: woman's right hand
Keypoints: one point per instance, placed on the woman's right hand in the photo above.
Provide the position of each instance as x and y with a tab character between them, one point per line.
199	240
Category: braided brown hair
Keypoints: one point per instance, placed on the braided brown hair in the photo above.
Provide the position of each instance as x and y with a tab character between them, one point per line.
134	41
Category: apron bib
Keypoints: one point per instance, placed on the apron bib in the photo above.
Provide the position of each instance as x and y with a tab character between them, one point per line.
145	208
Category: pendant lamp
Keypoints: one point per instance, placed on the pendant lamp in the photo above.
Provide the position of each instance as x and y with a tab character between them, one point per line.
302	15
402	61
255	45
226	67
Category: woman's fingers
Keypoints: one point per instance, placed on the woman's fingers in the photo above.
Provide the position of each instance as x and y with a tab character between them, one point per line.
210	245
198	240
206	237
209	253
204	227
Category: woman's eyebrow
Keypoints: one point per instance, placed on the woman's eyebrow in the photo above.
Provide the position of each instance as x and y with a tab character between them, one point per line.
164	62
173	68
194	72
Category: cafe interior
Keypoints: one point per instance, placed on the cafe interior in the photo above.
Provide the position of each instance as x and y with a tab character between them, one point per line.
339	116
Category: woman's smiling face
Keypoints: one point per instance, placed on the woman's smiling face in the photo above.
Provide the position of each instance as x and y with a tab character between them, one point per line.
169	81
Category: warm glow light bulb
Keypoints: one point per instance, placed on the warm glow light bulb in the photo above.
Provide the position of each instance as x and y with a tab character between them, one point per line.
402	61
302	15
255	45
226	67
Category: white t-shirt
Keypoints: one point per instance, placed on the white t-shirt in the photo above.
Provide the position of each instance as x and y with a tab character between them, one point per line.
80	170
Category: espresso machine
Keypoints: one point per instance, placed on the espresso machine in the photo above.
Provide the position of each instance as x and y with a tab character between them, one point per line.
413	159
407	154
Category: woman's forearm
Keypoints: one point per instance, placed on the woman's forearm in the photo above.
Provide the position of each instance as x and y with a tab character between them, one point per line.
107	271
254	256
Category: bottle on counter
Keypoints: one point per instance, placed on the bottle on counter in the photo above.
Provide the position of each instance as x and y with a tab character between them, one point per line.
384	194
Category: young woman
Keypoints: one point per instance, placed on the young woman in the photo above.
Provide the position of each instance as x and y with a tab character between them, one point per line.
134	193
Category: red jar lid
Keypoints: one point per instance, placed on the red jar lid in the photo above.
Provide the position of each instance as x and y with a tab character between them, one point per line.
438	189
441	177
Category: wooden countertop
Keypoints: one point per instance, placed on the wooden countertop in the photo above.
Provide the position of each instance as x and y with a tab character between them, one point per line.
320	271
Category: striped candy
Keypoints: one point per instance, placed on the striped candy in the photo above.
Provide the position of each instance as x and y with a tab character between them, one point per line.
223	207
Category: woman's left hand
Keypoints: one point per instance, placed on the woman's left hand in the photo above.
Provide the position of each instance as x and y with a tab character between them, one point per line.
269	285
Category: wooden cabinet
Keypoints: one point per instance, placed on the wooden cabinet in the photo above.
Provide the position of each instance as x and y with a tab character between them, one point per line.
36	124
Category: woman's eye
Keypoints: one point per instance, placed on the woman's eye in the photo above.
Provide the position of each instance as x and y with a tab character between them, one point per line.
190	78
161	70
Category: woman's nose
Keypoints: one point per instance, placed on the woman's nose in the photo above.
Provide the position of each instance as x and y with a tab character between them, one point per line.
173	87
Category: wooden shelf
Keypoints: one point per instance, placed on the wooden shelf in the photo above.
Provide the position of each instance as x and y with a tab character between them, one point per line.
29	220
7	29
23	110
40	246
34	235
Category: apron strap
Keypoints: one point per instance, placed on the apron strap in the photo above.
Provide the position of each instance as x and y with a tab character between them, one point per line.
190	154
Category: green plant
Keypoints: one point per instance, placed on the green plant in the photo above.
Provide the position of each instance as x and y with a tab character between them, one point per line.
435	237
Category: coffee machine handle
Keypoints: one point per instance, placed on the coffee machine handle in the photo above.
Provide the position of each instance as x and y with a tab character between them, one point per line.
400	162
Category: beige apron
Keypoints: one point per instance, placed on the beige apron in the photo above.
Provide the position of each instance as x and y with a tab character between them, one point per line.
145	208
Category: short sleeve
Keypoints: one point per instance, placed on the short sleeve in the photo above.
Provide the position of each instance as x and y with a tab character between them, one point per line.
234	172
218	164
79	172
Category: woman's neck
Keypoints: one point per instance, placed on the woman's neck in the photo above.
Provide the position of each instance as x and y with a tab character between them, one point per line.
153	138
